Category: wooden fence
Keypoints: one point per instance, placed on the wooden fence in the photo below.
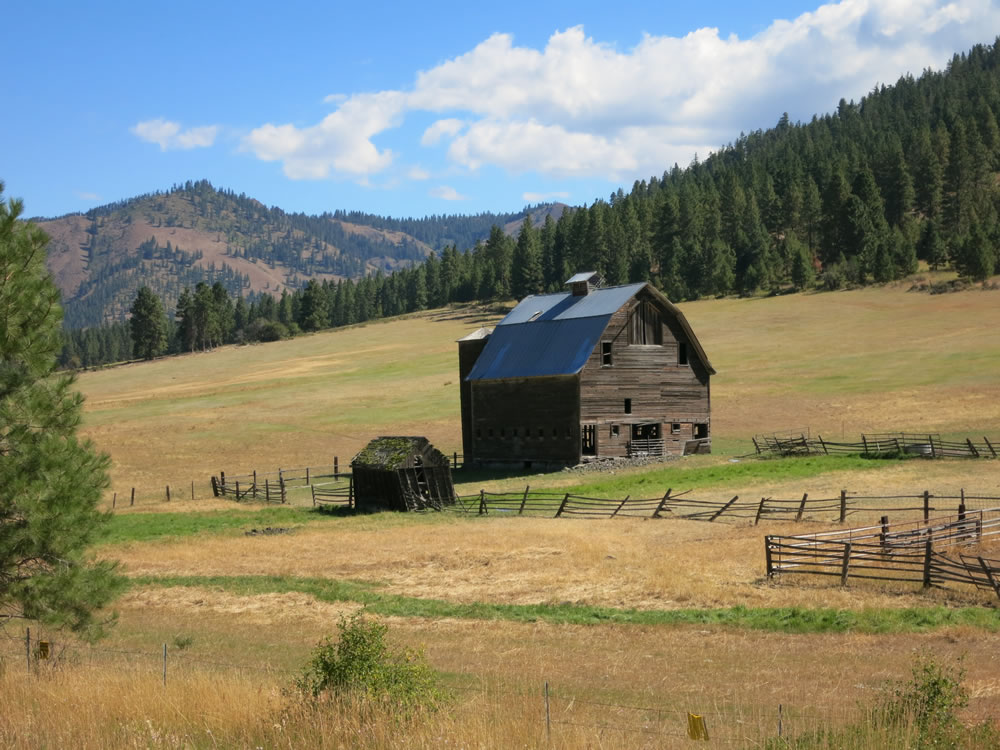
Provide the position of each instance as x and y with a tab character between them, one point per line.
271	491
334	493
833	509
905	552
929	445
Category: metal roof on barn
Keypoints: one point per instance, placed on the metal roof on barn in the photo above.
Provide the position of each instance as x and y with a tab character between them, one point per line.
549	334
554	334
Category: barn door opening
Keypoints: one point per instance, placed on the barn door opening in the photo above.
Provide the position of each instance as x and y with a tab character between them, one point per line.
589	446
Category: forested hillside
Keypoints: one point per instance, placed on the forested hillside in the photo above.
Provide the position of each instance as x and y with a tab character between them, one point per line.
194	232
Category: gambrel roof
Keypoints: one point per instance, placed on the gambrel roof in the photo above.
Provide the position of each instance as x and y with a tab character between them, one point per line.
554	334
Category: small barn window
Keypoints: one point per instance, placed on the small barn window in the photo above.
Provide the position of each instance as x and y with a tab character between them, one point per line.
555	432
682	353
701	431
614	431
541	432
675	429
645	326
605	354
628	406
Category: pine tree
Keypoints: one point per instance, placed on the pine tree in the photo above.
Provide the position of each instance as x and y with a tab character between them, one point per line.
526	275
148	325
50	481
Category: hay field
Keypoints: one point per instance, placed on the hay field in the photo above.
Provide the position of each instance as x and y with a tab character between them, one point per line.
239	614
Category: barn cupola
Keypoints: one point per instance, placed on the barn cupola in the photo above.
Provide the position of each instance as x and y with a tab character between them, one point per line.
584	283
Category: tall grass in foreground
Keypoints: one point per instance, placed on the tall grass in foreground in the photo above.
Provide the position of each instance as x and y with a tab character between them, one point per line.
113	706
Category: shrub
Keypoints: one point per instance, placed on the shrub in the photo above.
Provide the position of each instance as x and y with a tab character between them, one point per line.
361	663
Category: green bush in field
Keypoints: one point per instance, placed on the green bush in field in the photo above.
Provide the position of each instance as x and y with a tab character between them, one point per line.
921	713
360	663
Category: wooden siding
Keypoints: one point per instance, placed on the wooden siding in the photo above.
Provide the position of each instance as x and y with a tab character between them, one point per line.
468	353
526	419
659	390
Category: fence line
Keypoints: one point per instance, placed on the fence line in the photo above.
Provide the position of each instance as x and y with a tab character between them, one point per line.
929	445
906	552
682	505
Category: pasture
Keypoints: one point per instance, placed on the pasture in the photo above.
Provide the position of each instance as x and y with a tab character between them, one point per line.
631	622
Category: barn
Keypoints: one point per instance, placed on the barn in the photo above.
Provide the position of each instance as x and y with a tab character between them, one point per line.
401	473
588	373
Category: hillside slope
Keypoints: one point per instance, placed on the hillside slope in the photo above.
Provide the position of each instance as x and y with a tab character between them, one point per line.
195	232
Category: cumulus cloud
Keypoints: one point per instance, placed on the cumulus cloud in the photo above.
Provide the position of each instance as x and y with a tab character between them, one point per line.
448	193
169	135
580	107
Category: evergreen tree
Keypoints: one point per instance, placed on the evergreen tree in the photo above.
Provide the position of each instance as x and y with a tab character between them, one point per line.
50	481
148	325
526	277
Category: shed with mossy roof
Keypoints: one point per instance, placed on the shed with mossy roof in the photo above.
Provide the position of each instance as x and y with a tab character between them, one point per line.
401	473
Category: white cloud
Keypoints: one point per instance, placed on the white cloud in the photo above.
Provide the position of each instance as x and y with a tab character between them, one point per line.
448	127
579	107
558	195
169	135
418	173
448	193
340	143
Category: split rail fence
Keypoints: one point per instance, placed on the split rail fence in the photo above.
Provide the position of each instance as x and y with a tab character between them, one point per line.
903	552
833	509
881	444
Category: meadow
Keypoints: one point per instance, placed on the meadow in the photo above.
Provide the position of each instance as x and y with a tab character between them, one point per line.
631	623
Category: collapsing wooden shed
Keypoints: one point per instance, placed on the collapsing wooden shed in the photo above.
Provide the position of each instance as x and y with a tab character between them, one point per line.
401	473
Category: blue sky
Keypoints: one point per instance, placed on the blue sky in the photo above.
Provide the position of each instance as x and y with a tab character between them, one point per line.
421	108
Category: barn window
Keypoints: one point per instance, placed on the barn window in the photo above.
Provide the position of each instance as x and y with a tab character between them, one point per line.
675	429
491	432
541	432
605	354
555	432
503	432
614	431
701	430
628	406
645	326
682	353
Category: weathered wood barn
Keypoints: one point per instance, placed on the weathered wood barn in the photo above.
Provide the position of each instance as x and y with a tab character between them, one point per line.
592	372
401	473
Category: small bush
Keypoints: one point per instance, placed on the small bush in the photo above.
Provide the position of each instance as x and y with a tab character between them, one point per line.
361	663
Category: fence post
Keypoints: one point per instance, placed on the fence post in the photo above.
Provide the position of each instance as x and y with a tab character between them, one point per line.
843	505
164	665
663	502
114	501
930	439
215	486
454	460
722	510
131	501
972	448
961	506
524	499
864	441
760	509
928	551
222	479
350	491
823	445
620	506
482	502
990	446
767	556
237	491
562	505
927	504
27	646
845	566
267	490
779	719
284	495
192	489
548	719
884	521
307	476
336	465
802	506
168	493
755	446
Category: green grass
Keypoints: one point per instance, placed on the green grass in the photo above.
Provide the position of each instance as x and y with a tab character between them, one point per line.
776	619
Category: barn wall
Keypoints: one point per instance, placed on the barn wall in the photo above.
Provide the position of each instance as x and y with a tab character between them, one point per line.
526	419
468	353
660	390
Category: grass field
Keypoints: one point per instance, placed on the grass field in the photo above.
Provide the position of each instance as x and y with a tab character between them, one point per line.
631	622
